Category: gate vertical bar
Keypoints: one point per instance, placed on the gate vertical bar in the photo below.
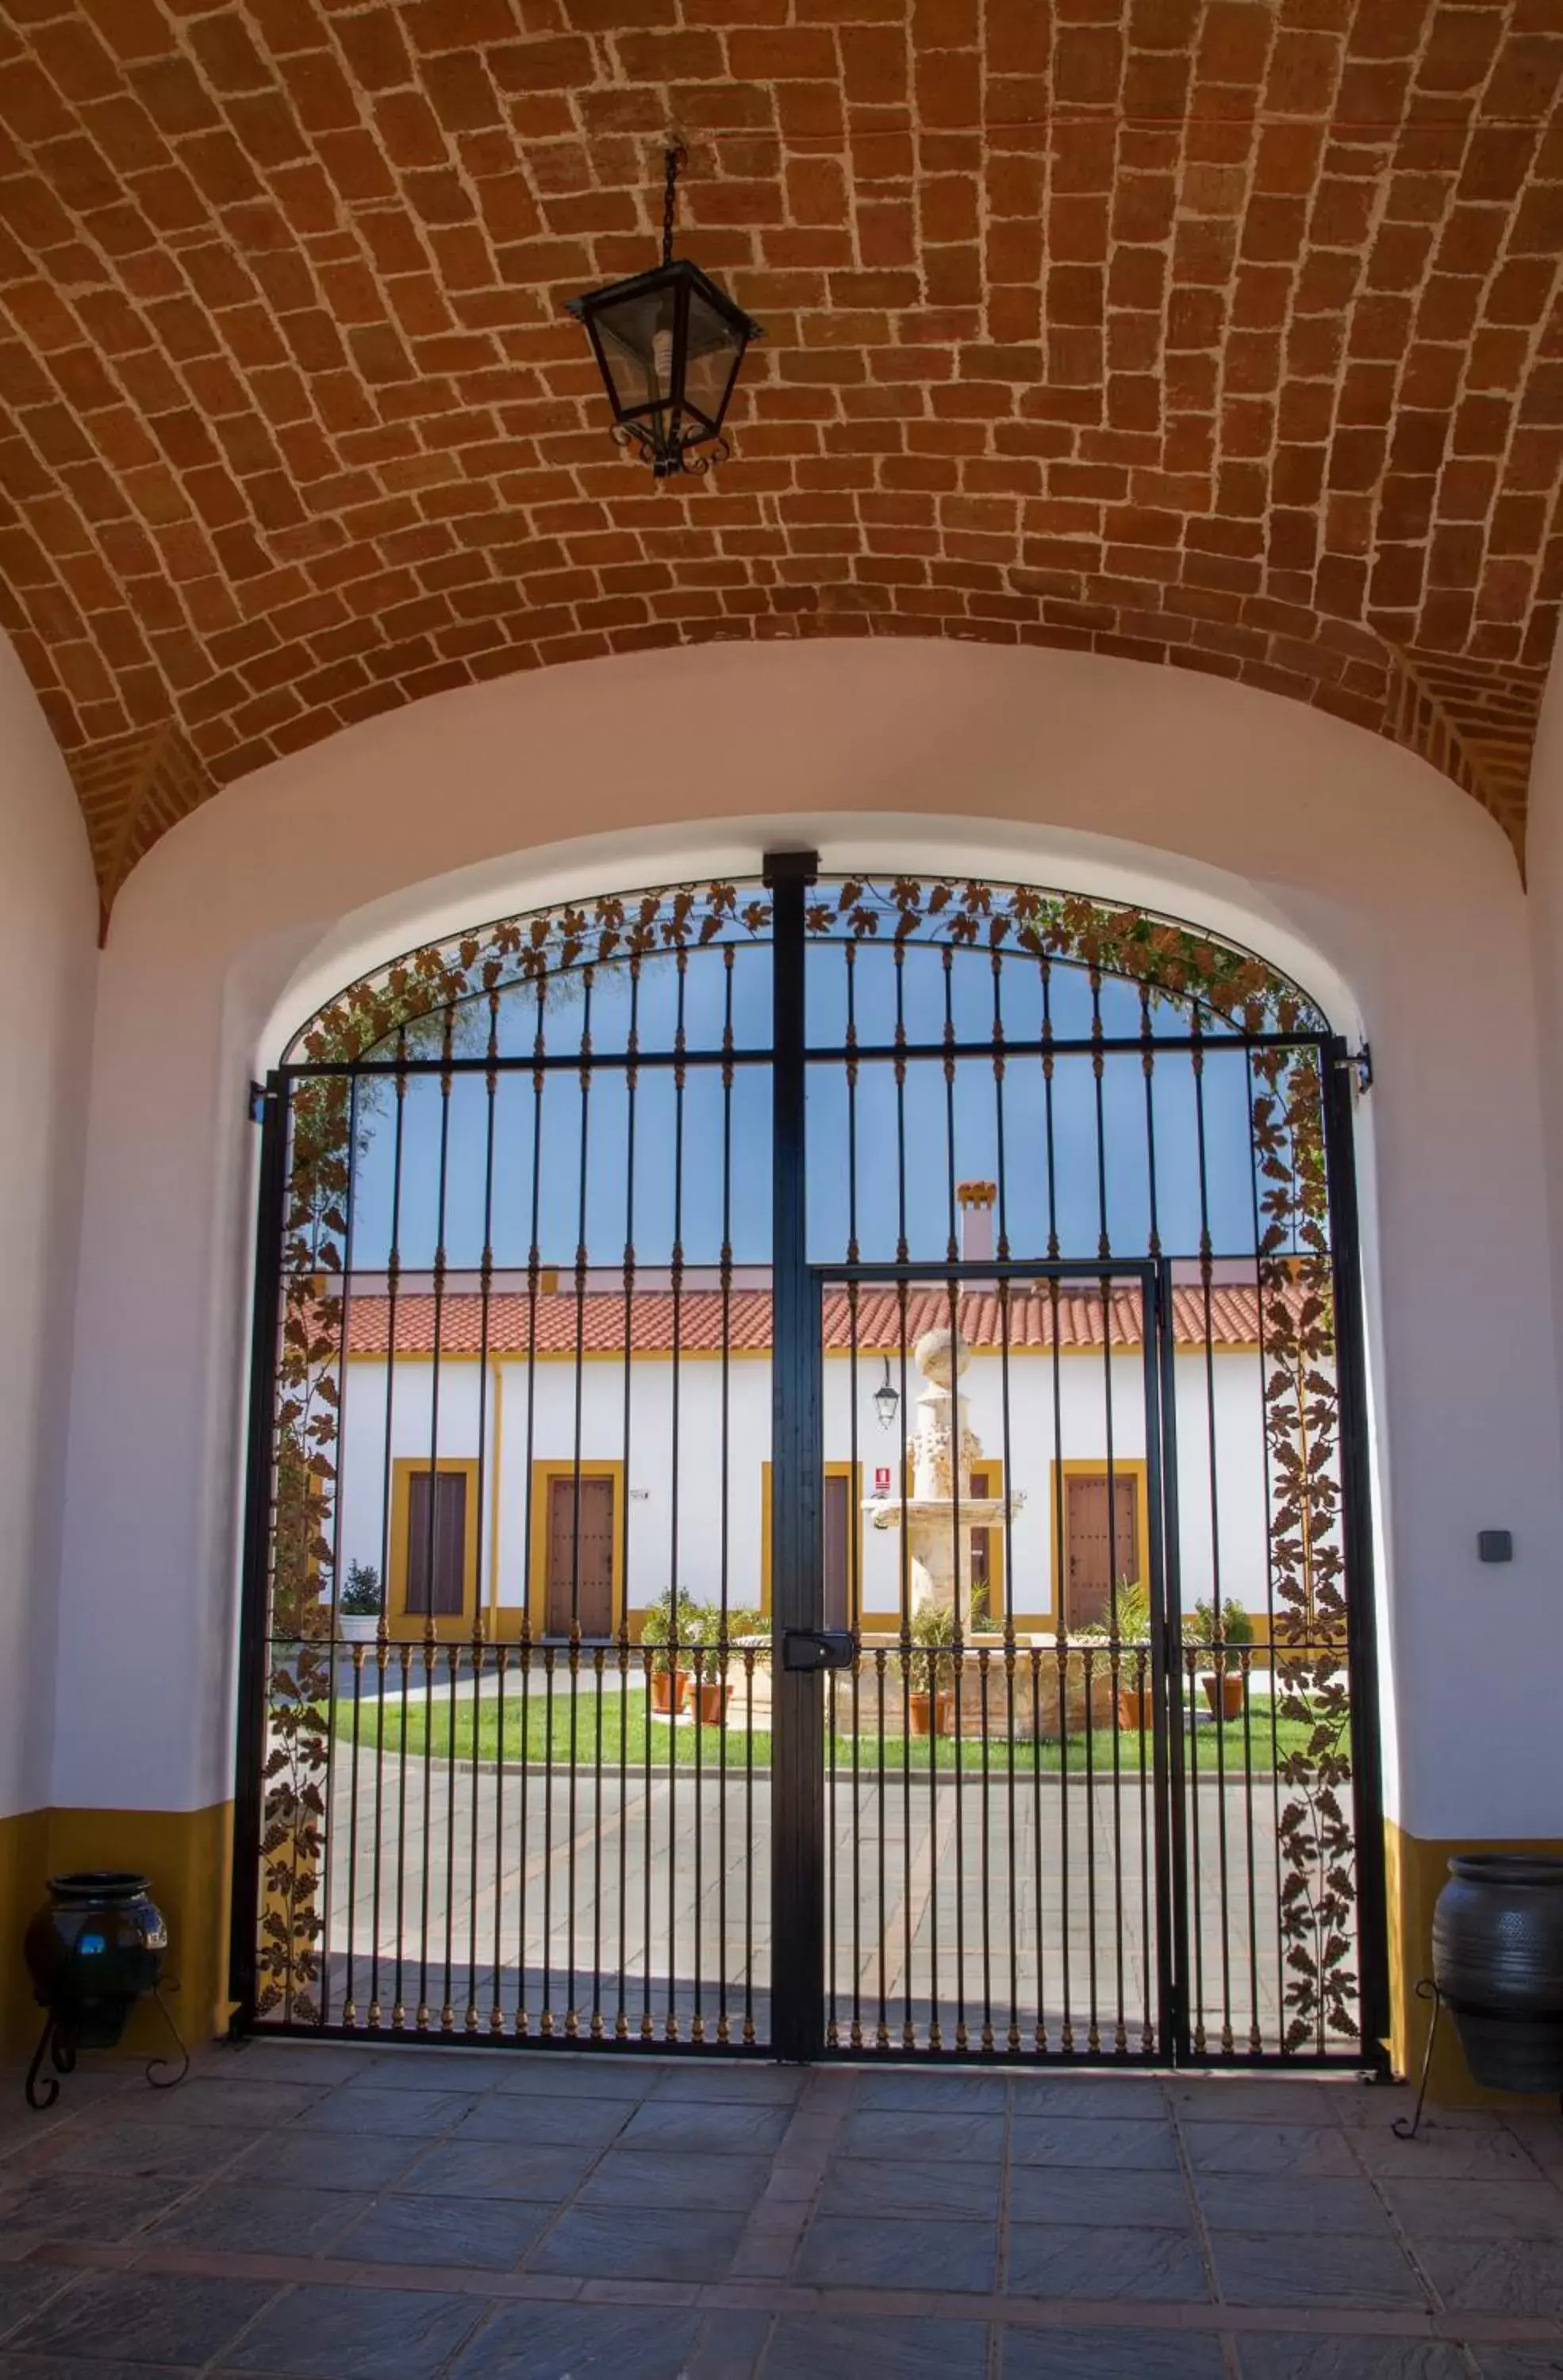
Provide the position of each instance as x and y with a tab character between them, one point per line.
1356	1520
255	1627
1167	1637
798	1815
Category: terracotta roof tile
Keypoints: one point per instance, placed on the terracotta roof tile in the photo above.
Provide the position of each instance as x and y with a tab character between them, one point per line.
1082	1321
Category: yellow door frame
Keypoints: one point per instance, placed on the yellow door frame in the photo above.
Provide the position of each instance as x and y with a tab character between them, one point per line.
400	1622
852	1471
543	1475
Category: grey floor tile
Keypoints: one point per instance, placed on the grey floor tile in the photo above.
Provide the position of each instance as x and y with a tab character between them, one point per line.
1268	2202
601	2243
812	2346
1089	2095
24	2289
1258	2099
1289	2149
1275	2268
429	2068
255	2105
552	2343
1081	2259
1518	2363
667	2178
144	2318
559	2074
721	2129
911	2185
753	2084
180	2152
1440	2155
1521	2277
535	2122
283	2219
320	2063
358	2334
1072	2194
1277	2355
491	2235
374	2109
903	2251
87	2367
1110	2143
498	2170
1518	2209
329	2160
1111	2355
933	2093
105	2207
730	2346
903	2133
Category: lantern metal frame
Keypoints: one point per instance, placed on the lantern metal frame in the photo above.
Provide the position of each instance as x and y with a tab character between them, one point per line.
669	431
887	1400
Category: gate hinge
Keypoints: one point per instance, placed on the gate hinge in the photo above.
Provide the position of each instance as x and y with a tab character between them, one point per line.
1361	1059
258	1103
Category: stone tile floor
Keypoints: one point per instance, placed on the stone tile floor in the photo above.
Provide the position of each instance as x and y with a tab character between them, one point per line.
335	2212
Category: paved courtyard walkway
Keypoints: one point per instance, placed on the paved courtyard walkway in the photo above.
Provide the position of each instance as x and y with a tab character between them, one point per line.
333	2213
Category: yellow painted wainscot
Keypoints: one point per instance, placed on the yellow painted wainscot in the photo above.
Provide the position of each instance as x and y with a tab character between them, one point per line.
1415	1874
186	1855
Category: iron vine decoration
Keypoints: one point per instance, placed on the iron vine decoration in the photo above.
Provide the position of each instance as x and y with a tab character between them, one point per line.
1297	1333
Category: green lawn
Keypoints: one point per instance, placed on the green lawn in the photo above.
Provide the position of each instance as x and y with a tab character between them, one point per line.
623	1721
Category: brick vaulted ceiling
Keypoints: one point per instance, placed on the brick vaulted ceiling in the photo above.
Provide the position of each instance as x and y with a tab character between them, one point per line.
1224	332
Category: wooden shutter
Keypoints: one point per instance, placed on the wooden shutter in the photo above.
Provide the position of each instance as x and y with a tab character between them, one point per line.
449	1492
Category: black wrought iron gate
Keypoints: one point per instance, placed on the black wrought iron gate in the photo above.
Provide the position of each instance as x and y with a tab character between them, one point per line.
807	1492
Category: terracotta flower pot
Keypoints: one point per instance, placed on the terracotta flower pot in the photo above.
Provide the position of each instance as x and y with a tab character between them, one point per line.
713	1705
944	1714
667	1690
919	1715
1231	1688
1135	1706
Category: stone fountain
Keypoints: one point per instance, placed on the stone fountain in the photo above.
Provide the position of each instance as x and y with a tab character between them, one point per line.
941	1512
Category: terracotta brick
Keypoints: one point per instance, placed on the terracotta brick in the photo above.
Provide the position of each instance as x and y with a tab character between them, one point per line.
1179	329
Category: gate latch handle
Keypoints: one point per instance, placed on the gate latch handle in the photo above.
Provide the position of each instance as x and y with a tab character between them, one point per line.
817	1649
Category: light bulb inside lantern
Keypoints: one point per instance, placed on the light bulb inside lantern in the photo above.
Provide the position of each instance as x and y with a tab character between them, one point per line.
661	362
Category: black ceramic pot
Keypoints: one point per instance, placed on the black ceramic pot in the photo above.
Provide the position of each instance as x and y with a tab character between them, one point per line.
1497	1959
93	1950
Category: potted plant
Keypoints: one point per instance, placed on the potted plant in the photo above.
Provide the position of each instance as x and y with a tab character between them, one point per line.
359	1605
930	1699
1226	1682
1129	1630
706	1693
672	1626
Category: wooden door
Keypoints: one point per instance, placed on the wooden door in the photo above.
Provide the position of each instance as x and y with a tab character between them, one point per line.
437	1554
1098	1561
838	1552
580	1556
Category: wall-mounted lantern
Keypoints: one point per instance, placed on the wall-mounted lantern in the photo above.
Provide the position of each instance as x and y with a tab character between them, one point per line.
885	1399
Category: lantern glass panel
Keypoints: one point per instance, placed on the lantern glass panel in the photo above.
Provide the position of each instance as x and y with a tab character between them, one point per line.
636	335
714	354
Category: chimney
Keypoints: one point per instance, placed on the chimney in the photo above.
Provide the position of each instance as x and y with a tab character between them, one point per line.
977	1200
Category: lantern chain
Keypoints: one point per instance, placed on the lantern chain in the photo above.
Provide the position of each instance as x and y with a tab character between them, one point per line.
672	161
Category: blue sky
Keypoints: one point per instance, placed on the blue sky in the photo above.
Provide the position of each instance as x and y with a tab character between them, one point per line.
516	1122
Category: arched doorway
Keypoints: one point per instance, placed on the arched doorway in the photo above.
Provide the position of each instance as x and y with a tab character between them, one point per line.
808	1491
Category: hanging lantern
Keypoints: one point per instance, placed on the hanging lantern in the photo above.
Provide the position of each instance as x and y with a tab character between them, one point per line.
885	1399
669	345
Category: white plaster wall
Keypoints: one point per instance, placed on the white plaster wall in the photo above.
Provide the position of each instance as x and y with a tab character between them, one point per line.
1544	864
48	932
1346	859
1227	1512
